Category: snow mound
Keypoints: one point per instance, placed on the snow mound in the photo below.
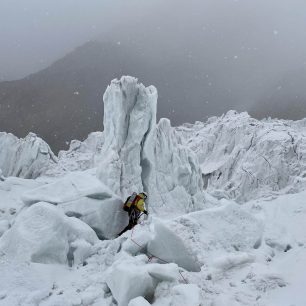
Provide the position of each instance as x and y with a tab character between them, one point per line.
169	247
43	234
27	158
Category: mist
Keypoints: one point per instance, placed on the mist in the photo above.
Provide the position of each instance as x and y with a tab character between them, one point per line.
204	56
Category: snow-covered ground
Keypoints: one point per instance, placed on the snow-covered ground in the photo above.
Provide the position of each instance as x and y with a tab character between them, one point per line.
226	201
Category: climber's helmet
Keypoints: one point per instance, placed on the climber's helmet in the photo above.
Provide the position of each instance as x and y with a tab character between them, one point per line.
143	195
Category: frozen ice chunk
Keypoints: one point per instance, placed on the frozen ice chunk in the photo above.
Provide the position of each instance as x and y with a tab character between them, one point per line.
106	217
71	187
138	243
42	233
130	279
167	272
168	247
127	282
83	196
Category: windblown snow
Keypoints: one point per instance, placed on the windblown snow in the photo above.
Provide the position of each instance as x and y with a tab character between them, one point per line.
227	213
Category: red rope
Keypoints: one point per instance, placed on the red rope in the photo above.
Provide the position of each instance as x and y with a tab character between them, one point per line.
151	256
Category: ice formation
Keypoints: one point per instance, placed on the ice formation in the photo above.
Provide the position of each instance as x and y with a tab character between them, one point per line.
28	158
80	155
226	201
43	234
243	158
129	129
83	196
138	155
169	247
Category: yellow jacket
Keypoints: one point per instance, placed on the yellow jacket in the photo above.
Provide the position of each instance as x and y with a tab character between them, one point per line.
140	203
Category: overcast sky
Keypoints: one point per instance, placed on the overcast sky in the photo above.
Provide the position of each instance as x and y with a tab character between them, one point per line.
34	33
243	47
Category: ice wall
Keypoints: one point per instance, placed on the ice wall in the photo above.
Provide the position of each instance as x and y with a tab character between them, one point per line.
243	158
27	157
127	158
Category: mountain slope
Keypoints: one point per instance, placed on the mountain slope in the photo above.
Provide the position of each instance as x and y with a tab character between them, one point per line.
64	101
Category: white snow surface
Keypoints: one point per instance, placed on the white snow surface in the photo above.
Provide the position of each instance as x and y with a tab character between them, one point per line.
226	201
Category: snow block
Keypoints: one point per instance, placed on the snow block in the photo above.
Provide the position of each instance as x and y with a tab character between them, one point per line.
71	187
167	246
43	234
128	279
127	282
141	237
83	196
106	217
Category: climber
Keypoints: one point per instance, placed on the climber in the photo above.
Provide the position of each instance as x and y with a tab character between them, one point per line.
135	206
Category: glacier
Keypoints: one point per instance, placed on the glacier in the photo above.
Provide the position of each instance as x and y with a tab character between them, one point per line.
226	208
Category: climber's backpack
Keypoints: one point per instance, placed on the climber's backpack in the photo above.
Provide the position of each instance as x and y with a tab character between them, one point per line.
130	201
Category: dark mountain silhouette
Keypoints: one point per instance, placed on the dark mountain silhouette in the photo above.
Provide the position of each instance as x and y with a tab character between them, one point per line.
64	101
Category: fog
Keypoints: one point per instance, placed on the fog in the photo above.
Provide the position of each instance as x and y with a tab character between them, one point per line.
35	33
244	55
